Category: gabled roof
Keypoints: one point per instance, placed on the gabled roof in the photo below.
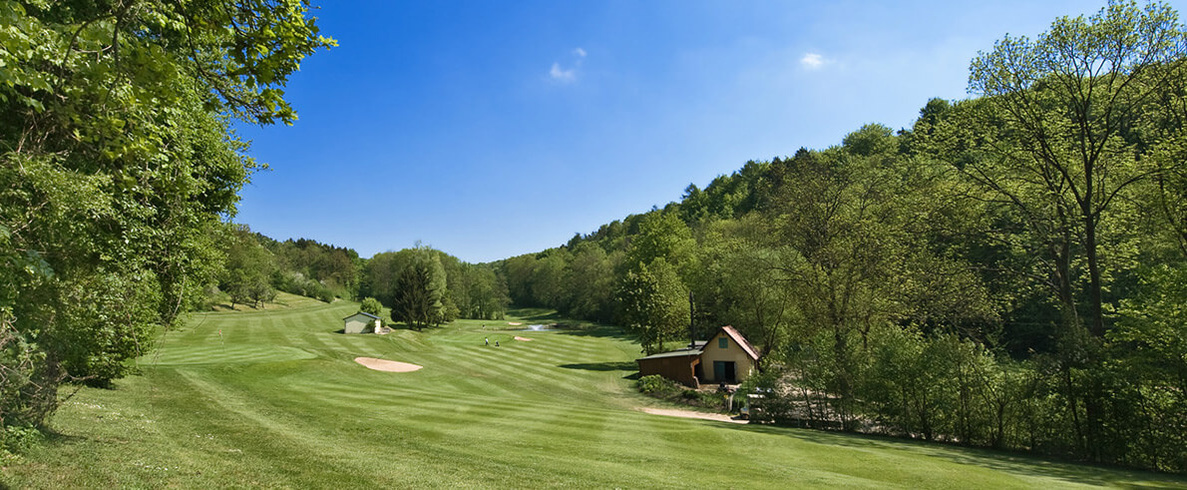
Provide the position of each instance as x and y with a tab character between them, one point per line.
699	346
368	315
740	340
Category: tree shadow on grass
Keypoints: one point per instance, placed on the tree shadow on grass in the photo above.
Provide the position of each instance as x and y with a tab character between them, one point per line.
601	331
533	314
1006	462
603	366
53	437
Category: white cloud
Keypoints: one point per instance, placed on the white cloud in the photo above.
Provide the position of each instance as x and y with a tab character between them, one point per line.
567	75
812	61
562	75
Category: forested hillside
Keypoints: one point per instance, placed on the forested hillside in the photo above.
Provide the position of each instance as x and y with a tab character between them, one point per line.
1008	272
447	288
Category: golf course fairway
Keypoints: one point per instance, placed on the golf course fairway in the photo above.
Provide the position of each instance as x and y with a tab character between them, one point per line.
274	398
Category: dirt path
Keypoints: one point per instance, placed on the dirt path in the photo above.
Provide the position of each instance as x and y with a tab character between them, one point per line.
386	365
689	414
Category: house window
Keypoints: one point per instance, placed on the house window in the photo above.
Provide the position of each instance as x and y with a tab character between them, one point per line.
723	343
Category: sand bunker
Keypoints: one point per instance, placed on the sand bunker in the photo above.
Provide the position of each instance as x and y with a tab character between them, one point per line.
386	365
688	414
515	323
522	339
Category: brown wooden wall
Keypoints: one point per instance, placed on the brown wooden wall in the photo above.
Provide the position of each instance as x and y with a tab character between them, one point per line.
679	368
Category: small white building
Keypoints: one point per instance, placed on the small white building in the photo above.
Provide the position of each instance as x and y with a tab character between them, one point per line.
361	323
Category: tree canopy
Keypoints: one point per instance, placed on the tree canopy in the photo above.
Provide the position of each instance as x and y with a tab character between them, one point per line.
117	166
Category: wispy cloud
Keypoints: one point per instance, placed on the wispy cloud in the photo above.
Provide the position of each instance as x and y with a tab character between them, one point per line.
813	61
562	75
568	73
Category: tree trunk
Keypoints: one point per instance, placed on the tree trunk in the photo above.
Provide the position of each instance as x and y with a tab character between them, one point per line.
1095	299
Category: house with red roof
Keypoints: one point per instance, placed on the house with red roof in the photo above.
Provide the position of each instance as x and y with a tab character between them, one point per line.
727	357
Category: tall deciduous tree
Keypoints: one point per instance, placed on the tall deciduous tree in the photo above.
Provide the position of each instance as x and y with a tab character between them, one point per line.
655	304
662	235
1066	103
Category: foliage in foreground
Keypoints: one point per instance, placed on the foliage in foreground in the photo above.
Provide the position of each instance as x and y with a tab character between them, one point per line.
117	166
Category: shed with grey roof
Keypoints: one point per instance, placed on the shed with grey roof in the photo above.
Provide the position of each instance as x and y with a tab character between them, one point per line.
361	323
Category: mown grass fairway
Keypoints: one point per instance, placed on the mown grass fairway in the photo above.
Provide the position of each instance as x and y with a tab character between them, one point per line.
277	401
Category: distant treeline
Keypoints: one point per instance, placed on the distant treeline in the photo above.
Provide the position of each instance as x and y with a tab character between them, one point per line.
1009	272
257	266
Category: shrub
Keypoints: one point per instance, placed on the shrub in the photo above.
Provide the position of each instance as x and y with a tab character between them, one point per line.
297	283
656	385
18	439
371	305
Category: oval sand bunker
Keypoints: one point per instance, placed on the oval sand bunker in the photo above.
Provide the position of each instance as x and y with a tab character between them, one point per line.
386	365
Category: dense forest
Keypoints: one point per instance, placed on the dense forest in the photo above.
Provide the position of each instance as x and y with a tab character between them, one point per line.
1008	272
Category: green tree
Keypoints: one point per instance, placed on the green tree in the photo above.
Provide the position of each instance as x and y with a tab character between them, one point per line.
654	304
248	272
117	162
589	280
1065	104
420	291
487	293
746	281
1059	121
380	273
662	235
371	305
1150	345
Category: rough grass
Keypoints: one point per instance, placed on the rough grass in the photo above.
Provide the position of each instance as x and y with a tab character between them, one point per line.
277	401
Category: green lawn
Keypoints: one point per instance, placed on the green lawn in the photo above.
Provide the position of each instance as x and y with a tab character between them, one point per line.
277	401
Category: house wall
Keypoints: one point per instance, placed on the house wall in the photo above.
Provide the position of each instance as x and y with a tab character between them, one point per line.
743	365
357	324
679	369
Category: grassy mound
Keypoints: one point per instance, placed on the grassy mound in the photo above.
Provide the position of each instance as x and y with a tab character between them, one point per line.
274	398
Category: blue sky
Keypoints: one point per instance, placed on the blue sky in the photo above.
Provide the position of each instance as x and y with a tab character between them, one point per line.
493	129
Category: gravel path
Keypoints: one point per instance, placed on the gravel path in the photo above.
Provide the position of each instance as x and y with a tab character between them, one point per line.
689	414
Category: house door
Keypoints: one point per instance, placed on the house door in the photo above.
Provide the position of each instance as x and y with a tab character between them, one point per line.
724	371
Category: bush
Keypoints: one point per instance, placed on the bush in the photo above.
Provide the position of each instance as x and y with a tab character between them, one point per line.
371	305
297	283
28	390
18	439
666	389
656	385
